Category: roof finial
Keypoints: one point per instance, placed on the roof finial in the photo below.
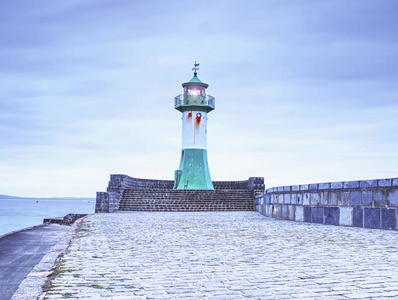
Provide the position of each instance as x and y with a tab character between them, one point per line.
195	68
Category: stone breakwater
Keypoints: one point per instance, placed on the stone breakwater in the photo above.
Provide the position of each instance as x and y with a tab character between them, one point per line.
224	255
362	203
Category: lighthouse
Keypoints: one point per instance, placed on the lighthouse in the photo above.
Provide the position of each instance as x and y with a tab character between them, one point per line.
194	104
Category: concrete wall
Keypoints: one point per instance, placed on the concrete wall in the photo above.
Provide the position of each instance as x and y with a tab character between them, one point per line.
109	201
365	203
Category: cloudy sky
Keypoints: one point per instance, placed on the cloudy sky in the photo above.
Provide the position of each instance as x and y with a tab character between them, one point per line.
306	91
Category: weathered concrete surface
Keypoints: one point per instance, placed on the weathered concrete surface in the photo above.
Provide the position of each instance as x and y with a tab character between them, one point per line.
225	255
21	251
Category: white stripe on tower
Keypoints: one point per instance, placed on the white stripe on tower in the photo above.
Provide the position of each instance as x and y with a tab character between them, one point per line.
194	130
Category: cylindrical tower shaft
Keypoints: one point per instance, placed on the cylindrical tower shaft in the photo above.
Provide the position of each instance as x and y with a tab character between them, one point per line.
193	172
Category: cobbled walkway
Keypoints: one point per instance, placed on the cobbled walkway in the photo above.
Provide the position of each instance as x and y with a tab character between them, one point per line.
224	255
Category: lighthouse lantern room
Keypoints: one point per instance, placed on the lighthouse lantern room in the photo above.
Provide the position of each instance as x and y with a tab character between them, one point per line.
194	105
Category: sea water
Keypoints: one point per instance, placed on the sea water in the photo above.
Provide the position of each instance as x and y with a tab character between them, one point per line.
17	214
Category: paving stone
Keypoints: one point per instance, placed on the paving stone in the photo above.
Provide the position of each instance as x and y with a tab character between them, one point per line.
225	255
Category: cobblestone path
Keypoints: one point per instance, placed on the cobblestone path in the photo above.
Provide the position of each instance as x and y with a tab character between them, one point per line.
224	255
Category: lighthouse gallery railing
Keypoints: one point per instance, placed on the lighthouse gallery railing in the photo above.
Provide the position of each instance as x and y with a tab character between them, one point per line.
194	100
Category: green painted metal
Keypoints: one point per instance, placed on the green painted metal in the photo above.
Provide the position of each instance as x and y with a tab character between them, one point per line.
193	173
194	102
195	81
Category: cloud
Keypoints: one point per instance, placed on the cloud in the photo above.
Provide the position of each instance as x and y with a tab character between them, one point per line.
305	90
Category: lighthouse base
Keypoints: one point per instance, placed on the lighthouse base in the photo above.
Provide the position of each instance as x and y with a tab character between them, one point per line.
193	173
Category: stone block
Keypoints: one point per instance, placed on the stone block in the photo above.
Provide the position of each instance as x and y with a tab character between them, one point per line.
392	198
299	214
280	188
357	217
307	214
371	217
300	199
295	187
277	212
395	182
267	199
267	191
367	198
344	199
315	199
379	198
324	186
334	198
286	198
384	182
325	198
291	212
336	185
304	187
268	209
345	216
286	188
332	215
368	183
293	199
317	214
285	212
350	184
313	186
280	198
355	198
388	218
306	199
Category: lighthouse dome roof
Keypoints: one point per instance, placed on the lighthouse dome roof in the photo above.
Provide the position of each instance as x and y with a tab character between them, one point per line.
195	81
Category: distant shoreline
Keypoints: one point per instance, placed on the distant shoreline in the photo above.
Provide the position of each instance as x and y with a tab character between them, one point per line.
6	197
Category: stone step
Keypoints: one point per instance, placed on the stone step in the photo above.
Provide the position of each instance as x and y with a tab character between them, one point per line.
186	200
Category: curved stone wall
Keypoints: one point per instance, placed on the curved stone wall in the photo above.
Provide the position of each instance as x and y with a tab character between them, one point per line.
109	201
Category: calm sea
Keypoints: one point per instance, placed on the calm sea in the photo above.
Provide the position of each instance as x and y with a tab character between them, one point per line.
21	213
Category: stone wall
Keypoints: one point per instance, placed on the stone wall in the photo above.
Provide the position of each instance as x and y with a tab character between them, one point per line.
121	182
365	203
109	201
187	200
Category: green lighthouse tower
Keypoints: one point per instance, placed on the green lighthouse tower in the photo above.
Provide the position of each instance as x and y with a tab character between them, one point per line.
194	105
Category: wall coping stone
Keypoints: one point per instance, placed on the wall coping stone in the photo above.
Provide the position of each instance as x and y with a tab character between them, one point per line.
313	186
324	186
368	183
350	184
303	187
295	187
384	182
336	185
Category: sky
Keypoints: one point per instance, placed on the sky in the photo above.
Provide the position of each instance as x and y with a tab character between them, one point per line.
306	91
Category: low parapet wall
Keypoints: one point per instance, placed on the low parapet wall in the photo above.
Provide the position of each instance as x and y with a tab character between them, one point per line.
365	203
109	201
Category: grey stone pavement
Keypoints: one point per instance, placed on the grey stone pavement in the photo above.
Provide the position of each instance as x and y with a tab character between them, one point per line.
224	255
21	251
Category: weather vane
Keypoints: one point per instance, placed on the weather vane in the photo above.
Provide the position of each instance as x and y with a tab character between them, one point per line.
195	68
